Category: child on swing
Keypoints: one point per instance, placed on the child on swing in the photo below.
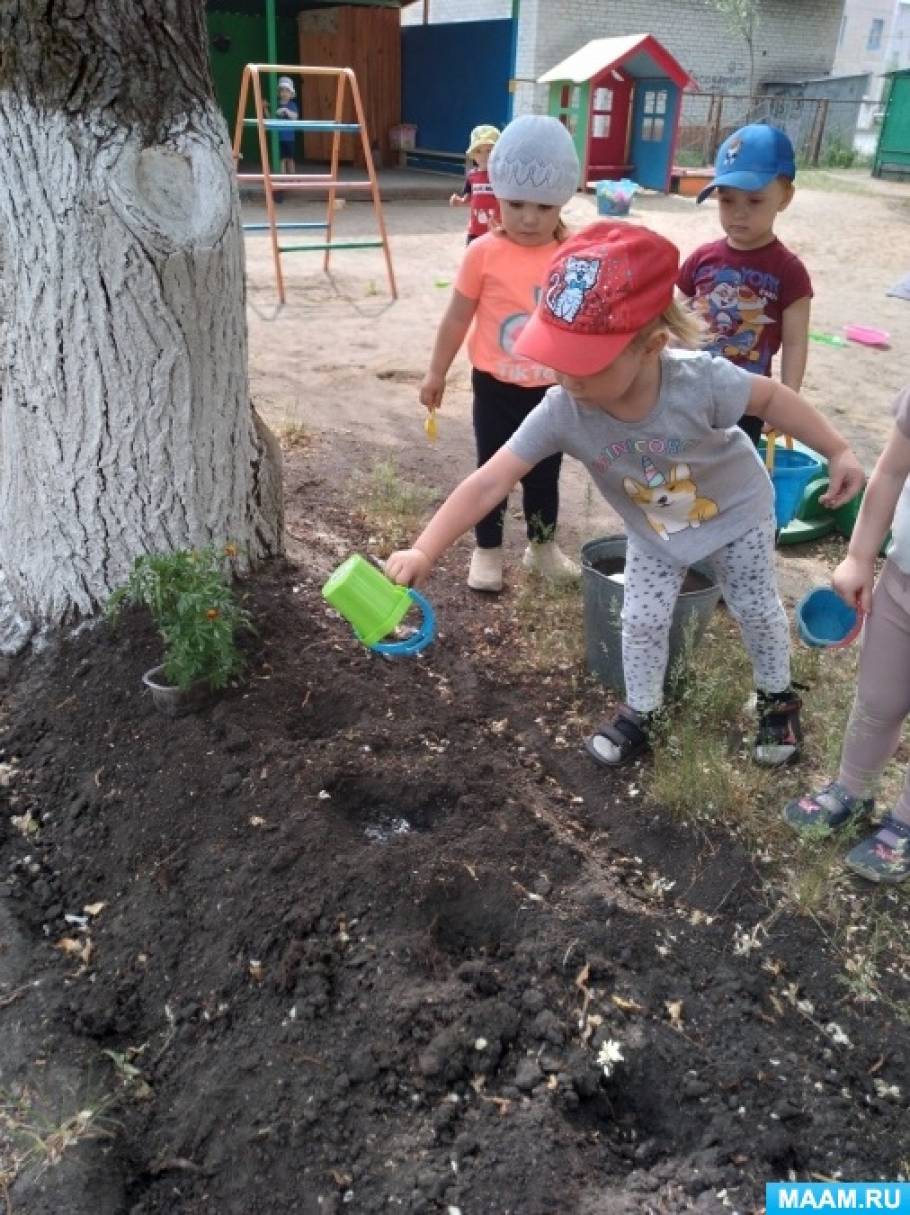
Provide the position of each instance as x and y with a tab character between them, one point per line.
657	430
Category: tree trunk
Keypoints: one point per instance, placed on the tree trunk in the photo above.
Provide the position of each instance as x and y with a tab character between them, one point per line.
750	43
125	419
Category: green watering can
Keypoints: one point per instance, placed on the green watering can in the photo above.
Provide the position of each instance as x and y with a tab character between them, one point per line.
374	607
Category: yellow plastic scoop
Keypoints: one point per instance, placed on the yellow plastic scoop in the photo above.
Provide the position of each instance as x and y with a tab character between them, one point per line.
431	426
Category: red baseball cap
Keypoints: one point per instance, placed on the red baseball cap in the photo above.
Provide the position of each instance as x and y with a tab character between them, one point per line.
604	285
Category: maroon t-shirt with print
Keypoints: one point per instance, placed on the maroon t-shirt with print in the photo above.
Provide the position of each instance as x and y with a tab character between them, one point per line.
742	294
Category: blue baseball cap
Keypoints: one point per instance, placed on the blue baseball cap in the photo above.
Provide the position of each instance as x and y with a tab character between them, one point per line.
750	158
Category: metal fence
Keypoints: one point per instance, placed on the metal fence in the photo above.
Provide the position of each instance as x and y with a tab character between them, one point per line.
818	127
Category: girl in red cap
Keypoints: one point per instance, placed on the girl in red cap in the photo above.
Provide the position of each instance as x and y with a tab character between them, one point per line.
657	430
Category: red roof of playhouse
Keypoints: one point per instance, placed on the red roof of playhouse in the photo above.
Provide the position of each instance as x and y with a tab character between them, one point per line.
639	55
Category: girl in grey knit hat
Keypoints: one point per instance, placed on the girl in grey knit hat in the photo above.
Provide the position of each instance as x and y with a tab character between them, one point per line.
534	172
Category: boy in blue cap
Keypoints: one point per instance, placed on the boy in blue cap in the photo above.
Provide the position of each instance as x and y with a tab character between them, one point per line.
752	292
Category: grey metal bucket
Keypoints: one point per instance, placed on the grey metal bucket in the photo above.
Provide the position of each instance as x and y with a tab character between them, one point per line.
603	595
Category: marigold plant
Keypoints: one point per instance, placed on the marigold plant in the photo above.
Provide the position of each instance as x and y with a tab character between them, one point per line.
189	596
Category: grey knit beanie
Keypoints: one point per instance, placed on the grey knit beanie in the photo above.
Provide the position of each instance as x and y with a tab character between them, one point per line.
534	160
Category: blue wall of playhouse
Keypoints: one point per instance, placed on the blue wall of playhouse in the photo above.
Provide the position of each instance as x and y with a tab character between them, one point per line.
453	77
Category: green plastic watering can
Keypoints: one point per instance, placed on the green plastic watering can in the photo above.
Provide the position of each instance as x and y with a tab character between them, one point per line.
374	606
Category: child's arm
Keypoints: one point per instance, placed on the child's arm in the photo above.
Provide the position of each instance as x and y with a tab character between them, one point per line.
787	412
794	347
462	199
854	576
452	331
466	505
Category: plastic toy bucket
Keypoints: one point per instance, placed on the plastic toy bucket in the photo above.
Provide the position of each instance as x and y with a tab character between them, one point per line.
792	472
374	606
615	197
823	619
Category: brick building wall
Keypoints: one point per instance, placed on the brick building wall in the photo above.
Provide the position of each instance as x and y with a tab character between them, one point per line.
795	39
456	10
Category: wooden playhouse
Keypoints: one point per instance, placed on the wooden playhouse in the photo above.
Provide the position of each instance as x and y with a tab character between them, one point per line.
364	35
620	99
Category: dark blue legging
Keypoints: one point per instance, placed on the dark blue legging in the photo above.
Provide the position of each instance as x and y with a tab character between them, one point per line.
499	410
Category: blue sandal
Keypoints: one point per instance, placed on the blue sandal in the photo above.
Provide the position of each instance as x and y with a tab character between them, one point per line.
830	809
880	858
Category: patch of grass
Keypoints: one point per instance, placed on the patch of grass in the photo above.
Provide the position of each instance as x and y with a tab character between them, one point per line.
702	769
550	625
393	507
697	778
698	770
857	182
811	879
31	1138
875	955
293	435
689	158
702	772
836	155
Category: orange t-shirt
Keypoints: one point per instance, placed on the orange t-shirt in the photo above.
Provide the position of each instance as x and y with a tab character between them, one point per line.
506	279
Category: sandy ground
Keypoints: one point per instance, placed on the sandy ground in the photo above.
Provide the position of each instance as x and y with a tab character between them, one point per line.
342	358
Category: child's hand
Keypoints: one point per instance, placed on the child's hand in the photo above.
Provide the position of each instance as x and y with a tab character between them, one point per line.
409	567
431	390
456	200
845	479
853	581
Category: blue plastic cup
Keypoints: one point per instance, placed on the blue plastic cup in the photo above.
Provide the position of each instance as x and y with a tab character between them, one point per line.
824	619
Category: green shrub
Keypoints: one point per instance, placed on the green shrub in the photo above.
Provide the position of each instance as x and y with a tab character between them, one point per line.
837	155
190	599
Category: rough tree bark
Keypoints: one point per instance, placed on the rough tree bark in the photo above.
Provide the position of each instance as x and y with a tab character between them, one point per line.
125	419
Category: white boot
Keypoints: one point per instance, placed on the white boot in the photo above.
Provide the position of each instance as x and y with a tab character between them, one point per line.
485	573
550	561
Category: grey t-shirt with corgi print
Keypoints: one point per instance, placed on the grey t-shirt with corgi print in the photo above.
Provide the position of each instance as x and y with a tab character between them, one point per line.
685	479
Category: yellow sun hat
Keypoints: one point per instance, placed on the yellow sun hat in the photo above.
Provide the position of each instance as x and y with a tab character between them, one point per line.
483	136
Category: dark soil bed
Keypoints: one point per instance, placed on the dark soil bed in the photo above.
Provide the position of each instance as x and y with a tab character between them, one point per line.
366	925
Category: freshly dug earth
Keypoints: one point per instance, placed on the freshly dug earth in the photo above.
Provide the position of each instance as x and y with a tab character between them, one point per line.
366	925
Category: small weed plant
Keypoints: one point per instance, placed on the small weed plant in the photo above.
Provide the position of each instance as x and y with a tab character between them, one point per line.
189	596
393	506
31	1138
293	435
550	633
698	771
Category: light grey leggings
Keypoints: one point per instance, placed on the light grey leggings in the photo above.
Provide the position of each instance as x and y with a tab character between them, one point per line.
745	571
883	690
